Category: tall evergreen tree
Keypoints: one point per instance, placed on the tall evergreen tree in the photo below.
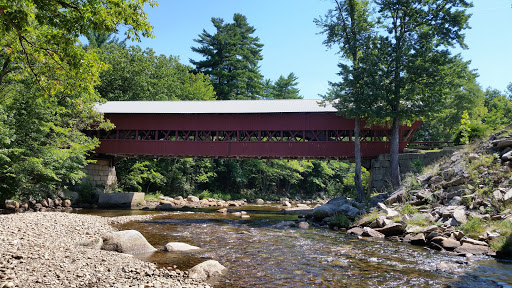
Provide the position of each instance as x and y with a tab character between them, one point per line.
349	28
231	59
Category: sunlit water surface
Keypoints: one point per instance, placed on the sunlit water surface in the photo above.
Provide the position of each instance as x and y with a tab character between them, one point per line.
257	254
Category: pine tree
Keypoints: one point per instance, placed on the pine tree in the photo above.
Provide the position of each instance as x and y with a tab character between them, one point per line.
231	59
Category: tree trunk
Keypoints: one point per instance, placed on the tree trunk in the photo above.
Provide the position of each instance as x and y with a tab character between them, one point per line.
357	155
393	153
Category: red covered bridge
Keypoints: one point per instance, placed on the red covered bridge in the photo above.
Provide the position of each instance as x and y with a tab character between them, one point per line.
300	129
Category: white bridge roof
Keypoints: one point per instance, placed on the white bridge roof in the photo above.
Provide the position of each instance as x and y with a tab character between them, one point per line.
216	107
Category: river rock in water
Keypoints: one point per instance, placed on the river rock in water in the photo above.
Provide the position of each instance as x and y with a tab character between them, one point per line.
206	269
128	241
178	246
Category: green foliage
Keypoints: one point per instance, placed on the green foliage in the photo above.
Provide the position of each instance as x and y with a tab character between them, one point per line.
282	88
503	242
499	109
417	166
231	59
39	39
340	221
408	209
153	196
136	74
228	179
470	133
46	89
473	228
464	130
87	192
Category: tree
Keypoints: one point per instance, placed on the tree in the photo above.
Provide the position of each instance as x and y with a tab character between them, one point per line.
349	27
136	74
231	59
46	88
499	109
282	88
464	94
414	56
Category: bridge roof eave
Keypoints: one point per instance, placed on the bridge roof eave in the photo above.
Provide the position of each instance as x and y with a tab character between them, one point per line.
216	107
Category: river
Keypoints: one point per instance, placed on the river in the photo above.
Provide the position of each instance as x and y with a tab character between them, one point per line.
259	254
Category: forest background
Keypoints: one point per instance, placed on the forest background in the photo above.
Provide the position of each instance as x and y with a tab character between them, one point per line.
50	82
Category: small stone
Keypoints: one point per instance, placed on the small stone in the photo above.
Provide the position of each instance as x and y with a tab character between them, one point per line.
444	266
66	203
473	242
223	210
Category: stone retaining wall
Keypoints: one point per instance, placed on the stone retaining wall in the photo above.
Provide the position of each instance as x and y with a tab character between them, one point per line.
409	162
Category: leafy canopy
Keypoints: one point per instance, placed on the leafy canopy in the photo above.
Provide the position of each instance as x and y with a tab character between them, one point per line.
136	74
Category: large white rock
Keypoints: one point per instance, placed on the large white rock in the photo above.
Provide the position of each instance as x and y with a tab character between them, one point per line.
178	246
210	268
128	241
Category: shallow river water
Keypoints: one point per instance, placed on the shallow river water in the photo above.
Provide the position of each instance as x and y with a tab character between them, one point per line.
258	254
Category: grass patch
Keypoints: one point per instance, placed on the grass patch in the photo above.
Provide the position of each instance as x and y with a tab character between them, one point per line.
473	228
408	209
419	220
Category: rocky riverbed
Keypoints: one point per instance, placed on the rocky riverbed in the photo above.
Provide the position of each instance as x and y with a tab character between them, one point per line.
40	250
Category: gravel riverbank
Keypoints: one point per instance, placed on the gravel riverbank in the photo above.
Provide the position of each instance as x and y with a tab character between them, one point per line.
40	250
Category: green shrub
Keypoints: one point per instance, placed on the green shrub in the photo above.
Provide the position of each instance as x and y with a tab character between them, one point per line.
340	221
476	131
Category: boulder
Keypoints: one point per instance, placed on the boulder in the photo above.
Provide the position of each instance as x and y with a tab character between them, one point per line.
179	246
209	268
392	229
391	213
446	243
349	210
358	231
460	216
382	221
287	204
128	241
473	242
66	203
321	212
507	195
11	205
365	221
223	210
418	239
435	180
466	248
502	143
369	232
260	201
192	199
507	156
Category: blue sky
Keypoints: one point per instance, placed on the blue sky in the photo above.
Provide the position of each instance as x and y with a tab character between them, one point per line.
292	43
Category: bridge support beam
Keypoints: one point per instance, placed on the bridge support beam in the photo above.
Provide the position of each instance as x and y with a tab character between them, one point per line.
102	174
